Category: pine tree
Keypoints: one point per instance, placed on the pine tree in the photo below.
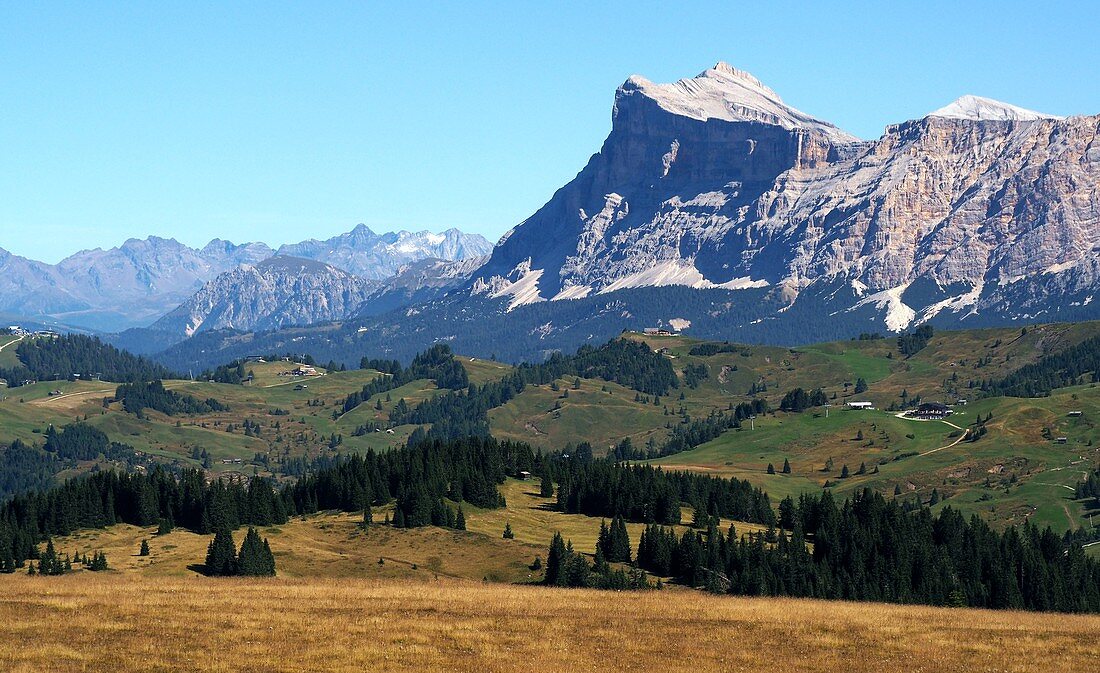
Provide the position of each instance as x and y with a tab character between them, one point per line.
771	468
460	519
555	562
618	550
546	488
255	558
508	534
221	557
144	551
786	466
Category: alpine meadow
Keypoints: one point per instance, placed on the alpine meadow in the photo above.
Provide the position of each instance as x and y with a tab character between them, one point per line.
747	392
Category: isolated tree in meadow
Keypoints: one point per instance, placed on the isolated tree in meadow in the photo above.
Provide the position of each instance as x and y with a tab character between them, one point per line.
255	558
221	557
144	550
861	385
508	534
786	466
844	473
555	560
771	468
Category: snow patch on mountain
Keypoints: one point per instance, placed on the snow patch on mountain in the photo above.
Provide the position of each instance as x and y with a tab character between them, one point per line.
572	292
956	304
677	272
898	314
976	108
521	286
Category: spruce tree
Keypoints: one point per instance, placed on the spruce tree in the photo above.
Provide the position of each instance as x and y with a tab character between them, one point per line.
508	534
786	466
221	557
144	550
546	488
460	519
255	558
555	561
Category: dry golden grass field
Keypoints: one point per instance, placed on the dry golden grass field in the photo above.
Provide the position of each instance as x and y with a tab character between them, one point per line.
127	622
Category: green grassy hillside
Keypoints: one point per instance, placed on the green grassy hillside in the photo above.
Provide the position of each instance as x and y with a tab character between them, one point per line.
1017	470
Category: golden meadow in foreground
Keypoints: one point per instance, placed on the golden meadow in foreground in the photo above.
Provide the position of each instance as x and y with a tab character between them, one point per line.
116	622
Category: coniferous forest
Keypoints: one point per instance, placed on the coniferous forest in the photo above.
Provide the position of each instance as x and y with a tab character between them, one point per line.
63	357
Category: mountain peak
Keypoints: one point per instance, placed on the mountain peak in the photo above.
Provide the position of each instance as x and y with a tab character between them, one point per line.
977	108
725	93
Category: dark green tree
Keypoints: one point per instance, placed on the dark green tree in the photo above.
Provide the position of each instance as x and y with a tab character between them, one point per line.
221	556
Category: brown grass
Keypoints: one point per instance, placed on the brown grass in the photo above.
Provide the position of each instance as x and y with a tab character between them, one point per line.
127	622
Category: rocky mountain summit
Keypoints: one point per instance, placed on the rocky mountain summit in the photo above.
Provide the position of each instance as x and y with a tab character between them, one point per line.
978	210
277	292
378	256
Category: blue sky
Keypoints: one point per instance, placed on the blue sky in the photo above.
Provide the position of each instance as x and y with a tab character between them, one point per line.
283	121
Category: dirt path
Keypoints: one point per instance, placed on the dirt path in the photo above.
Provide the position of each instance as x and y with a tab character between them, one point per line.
57	398
964	435
13	341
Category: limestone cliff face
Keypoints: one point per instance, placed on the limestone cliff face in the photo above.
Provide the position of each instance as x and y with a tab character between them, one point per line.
978	208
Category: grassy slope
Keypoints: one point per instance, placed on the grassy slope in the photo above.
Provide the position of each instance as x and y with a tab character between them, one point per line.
122	623
605	413
974	476
26	412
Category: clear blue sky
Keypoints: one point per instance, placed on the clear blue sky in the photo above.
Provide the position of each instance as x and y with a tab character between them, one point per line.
280	121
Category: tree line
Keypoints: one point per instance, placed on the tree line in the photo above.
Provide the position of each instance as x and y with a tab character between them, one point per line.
1069	367
647	494
76	355
462	413
437	363
873	549
138	396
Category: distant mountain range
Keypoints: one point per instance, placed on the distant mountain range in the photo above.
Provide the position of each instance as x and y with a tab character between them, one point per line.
141	280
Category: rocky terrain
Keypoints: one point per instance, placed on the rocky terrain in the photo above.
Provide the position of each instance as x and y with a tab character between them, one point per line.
141	280
277	292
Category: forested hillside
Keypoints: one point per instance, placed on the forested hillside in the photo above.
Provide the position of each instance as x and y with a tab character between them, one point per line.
76	355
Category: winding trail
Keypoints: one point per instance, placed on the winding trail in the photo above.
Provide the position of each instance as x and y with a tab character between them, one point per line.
964	435
13	341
